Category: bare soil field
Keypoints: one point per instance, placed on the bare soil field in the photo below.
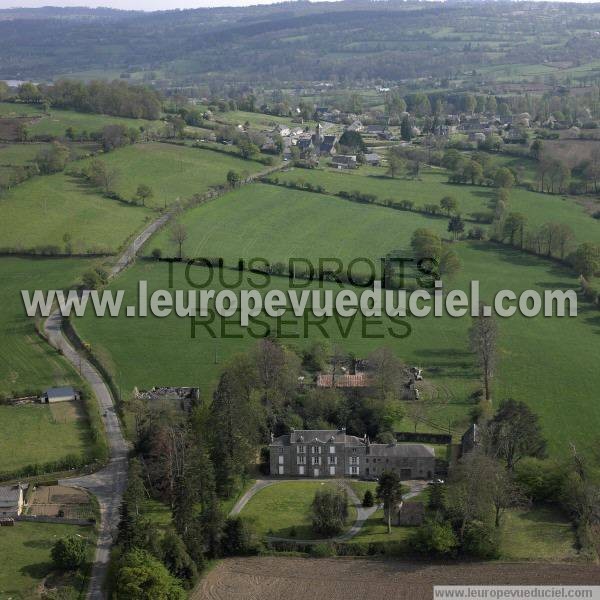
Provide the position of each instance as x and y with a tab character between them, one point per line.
271	578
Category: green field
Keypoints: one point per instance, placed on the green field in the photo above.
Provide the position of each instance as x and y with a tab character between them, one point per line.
34	433
277	224
42	210
173	171
433	186
24	154
56	121
39	434
537	357
278	508
26	360
25	551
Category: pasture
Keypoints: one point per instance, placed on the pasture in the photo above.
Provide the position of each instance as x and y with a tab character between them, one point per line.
37	434
25	550
173	171
538	357
433	186
277	223
56	121
42	210
26	360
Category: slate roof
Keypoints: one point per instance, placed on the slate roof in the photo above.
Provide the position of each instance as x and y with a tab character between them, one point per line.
401	450
323	436
10	494
60	392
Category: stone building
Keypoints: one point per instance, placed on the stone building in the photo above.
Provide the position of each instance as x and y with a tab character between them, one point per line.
334	453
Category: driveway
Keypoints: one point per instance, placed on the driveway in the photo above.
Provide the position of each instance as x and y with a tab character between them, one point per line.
362	514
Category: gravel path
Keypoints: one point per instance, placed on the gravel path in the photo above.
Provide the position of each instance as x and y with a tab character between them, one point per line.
362	514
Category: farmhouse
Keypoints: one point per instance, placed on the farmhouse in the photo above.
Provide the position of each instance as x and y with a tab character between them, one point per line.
11	500
179	397
59	394
334	453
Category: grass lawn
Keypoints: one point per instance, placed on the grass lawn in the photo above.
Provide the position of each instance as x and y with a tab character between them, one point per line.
278	508
277	224
38	433
537	357
433	186
375	530
541	533
173	171
42	210
25	551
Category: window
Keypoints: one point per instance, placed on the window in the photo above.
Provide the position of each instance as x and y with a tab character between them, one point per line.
301	449
281	470
281	450
331	449
316	449
353	470
332	470
333	460
354	450
354	460
316	460
302	460
280	459
300	470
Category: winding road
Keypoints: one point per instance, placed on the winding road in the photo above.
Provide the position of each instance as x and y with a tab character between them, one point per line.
108	484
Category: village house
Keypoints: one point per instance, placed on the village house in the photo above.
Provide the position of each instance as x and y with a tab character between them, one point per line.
344	161
334	453
372	159
11	501
163	397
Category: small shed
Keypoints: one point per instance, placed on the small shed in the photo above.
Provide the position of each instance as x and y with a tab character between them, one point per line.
59	394
11	501
409	514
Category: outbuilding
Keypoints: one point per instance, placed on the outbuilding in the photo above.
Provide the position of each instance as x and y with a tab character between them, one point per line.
59	394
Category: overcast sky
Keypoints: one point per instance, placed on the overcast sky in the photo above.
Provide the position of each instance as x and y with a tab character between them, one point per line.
141	4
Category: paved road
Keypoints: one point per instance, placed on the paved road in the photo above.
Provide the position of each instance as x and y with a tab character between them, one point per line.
362	514
109	483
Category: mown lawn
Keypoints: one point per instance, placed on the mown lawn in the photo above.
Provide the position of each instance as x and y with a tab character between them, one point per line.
278	224
537	357
173	171
279	508
42	210
25	551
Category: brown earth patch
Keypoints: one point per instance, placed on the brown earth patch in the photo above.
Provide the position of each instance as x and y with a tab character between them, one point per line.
272	578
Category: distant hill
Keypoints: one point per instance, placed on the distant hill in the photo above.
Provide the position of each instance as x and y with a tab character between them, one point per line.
290	42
